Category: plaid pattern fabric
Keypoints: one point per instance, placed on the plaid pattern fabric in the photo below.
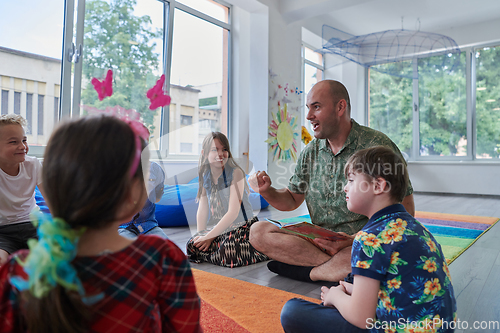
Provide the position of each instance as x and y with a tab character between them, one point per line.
148	287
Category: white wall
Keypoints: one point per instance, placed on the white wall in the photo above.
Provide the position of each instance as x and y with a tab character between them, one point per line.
263	42
250	83
464	178
285	62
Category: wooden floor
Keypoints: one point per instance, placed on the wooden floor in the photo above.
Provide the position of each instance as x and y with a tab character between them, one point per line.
475	274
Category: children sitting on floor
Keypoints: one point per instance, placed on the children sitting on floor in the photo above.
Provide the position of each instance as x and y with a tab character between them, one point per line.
81	275
401	279
19	175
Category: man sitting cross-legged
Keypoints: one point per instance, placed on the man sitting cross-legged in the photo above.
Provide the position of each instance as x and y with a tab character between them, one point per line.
319	179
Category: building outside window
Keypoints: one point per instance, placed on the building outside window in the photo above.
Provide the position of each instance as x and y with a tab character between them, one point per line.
196	64
40	114
29	113
17	102
5	101
186	120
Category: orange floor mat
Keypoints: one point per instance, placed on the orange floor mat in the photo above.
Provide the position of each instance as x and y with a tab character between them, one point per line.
253	307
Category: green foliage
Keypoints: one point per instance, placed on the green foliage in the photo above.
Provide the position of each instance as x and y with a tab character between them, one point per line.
208	101
443	106
117	39
391	106
488	102
442	101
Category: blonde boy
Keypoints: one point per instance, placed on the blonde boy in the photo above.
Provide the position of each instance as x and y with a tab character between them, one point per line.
19	175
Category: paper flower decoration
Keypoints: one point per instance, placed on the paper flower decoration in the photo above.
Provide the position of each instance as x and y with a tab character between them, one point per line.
157	96
104	88
283	133
306	137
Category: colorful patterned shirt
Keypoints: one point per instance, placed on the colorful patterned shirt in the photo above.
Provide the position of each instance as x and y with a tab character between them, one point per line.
148	287
415	284
319	175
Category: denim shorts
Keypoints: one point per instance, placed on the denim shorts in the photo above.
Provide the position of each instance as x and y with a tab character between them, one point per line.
14	237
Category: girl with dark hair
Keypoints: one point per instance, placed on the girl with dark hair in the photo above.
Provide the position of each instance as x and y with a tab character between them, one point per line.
223	202
81	275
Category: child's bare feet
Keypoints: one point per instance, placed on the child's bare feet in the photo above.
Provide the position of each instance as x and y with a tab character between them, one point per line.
327	294
347	286
325	291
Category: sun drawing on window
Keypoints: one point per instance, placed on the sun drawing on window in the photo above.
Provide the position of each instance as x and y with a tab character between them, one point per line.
283	135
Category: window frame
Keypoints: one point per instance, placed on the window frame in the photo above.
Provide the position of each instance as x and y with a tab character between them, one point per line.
303	77
71	66
470	86
168	35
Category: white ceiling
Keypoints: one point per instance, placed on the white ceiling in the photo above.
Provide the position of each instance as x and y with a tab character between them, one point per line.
359	17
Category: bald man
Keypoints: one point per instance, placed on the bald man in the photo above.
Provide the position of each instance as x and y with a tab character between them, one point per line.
319	180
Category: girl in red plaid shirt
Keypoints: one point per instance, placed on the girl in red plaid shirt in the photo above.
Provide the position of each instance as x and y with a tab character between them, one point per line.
81	275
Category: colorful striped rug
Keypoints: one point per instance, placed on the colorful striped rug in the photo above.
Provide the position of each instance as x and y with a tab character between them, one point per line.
456	233
231	305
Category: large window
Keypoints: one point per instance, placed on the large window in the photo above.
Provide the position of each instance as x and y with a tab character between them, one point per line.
31	45
425	109
126	37
61	46
488	102
186	40
391	105
313	71
199	73
442	107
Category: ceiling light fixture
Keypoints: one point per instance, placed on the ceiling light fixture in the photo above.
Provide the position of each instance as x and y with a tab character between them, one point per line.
390	46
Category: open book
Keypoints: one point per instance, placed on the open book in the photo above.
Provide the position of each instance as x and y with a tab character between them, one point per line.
308	230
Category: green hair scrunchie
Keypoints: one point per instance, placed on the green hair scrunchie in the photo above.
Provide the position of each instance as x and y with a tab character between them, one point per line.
49	261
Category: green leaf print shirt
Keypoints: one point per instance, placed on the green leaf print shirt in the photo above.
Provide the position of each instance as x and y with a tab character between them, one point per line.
319	175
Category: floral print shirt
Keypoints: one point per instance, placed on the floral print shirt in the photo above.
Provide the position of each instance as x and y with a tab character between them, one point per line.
416	294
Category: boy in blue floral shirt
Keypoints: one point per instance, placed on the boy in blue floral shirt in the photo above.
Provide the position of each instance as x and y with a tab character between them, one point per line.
401	280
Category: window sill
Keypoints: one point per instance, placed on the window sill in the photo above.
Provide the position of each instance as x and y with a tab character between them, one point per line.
457	162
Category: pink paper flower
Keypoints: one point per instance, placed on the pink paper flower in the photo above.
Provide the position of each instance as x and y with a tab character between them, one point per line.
104	88
157	96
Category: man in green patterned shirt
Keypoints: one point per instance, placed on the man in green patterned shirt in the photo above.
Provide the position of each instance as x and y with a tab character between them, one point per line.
319	179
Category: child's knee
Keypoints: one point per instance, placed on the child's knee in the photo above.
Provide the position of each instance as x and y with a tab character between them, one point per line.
290	312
